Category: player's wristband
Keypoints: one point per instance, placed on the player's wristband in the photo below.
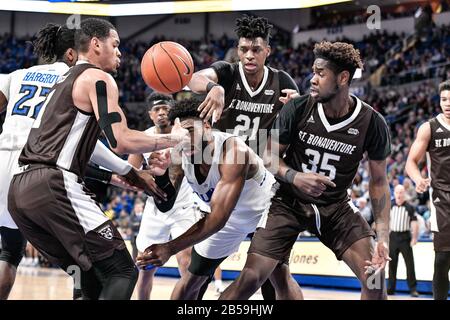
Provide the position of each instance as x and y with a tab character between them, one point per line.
211	85
289	176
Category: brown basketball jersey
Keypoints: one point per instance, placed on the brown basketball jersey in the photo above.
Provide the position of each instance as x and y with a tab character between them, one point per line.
439	153
332	149
62	136
247	113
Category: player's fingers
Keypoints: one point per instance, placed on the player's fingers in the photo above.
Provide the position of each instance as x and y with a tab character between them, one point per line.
205	110
326	181
203	104
209	114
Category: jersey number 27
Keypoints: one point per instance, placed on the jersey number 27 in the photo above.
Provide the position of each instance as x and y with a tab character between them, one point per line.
22	107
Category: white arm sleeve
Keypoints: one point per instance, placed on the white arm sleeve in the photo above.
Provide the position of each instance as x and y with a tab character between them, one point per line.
104	157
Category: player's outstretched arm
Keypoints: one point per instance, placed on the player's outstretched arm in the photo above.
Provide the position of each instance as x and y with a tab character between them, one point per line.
381	205
96	91
223	201
415	156
206	81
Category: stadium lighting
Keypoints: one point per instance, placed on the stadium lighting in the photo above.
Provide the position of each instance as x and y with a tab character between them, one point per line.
153	8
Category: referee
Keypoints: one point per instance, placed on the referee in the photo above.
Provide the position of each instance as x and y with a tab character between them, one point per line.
403	224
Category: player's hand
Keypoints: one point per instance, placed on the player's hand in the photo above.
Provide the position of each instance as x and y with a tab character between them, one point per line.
144	180
290	94
156	254
379	258
159	161
120	182
422	185
181	134
213	104
313	184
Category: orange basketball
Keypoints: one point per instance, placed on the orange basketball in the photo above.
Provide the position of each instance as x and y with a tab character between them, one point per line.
167	67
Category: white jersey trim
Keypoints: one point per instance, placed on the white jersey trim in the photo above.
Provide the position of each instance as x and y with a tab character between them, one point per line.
246	85
342	124
73	139
441	120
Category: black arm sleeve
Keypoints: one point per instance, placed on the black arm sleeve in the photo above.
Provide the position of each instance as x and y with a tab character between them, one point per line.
164	183
378	139
286	81
285	124
225	73
411	213
98	174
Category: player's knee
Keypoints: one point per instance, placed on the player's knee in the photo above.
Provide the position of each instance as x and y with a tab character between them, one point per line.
13	246
250	277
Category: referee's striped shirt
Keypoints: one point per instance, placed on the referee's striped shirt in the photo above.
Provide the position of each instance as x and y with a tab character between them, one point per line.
401	217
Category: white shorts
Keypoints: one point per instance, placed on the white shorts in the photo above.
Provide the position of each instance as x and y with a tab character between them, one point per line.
241	222
8	166
160	227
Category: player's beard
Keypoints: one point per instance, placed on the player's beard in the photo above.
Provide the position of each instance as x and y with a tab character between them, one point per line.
330	96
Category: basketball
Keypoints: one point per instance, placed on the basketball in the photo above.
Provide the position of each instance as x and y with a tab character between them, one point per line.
167	67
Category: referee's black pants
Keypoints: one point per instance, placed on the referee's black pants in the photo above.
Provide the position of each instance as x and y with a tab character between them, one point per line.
400	242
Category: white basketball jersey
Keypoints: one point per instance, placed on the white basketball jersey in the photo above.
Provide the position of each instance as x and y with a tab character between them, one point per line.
26	90
185	198
251	199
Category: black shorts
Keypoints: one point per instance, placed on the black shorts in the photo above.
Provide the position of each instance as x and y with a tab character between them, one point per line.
440	219
201	266
60	218
337	225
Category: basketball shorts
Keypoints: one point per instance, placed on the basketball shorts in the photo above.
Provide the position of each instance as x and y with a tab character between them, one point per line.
440	219
337	225
55	212
160	227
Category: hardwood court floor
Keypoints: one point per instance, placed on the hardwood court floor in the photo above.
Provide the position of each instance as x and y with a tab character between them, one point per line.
34	283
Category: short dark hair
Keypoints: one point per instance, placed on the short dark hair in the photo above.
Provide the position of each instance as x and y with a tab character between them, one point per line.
157	97
253	27
90	28
183	109
53	40
444	86
342	55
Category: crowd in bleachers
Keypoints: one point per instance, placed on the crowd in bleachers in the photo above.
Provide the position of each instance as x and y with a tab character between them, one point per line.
405	107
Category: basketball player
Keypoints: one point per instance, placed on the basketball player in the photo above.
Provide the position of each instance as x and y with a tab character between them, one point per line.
324	134
232	180
158	226
46	199
22	95
251	92
52	42
433	139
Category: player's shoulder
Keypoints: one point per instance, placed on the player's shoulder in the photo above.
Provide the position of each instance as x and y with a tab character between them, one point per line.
376	116
93	75
299	103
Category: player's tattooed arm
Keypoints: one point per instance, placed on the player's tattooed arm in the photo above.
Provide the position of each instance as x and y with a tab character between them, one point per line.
380	198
